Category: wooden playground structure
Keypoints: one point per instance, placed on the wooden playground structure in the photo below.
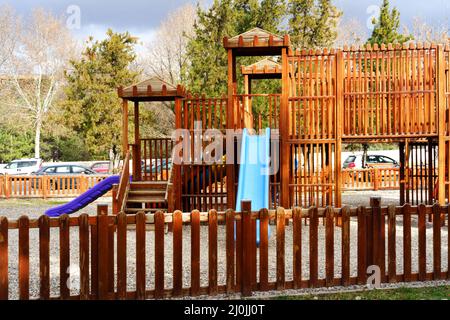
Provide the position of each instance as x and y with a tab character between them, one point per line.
329	98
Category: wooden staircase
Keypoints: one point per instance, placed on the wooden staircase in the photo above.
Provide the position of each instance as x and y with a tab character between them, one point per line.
148	197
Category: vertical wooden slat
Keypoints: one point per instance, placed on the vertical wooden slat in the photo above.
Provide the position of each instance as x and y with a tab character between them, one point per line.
313	247
177	253
362	246
4	282
230	250
422	242
44	257
392	256
159	255
281	220
83	230
212	253
94	259
437	225
103	252
297	247
195	253
140	256
406	210
264	251
64	256
122	256
329	248
246	220
24	258
345	246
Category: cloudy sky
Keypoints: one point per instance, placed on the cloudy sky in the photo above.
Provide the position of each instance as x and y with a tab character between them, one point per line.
142	17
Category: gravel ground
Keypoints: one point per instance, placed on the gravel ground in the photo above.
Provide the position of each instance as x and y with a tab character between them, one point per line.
14	209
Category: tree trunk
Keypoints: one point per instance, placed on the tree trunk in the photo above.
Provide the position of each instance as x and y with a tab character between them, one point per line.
37	140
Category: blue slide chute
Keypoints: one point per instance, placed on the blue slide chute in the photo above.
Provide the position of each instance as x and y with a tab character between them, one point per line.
85	199
254	173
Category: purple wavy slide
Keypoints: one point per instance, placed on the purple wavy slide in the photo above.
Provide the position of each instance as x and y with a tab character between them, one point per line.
85	199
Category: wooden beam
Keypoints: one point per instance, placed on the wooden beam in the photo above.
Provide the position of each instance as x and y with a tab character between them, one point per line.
137	142
125	147
177	168
230	168
284	133
339	120
440	61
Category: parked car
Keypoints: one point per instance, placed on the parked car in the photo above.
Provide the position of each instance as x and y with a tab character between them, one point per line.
65	171
372	161
159	168
22	167
101	167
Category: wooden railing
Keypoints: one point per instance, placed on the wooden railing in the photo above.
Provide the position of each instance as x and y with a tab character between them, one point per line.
156	154
47	186
124	184
116	257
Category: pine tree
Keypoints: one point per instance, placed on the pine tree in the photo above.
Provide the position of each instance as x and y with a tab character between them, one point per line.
312	24
92	108
386	27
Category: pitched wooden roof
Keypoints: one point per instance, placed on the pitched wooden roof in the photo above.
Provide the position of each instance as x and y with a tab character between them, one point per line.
152	89
264	67
257	42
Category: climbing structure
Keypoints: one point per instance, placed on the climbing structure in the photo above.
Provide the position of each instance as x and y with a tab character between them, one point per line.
328	98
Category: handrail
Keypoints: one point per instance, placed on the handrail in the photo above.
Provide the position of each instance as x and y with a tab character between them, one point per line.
124	182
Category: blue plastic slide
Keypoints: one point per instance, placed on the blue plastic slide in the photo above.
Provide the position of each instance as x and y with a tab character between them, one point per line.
85	199
254	175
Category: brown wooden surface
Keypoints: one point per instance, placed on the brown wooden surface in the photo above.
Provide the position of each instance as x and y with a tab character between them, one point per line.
195	253
246	277
281	248
297	247
140	256
313	247
84	256
212	253
362	246
44	257
177	253
64	256
159	255
422	243
264	251
392	243
329	247
121	256
345	246
437	225
230	250
24	258
406	210
4	261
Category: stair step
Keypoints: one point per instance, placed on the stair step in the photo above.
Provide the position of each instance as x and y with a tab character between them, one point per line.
150	193
146	210
146	200
146	185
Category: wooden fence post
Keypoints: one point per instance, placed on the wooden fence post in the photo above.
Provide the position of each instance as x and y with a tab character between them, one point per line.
377	241
7	187
102	252
441	108
376	177
246	277
115	204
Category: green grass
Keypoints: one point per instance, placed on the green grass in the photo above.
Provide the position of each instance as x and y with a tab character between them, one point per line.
430	293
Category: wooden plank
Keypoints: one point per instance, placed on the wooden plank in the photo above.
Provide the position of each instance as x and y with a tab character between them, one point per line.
140	256
392	242
264	251
362	246
422	242
94	259
122	256
406	210
4	259
103	252
177	253
159	255
437	225
195	253
281	220
230	250
44	257
297	247
346	246
64	257
84	256
313	247
24	258
246	277
329	248
212	253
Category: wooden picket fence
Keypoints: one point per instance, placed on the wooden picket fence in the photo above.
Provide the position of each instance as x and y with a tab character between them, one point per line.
105	251
47	186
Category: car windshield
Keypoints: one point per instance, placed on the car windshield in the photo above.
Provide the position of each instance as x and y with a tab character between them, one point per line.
350	159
